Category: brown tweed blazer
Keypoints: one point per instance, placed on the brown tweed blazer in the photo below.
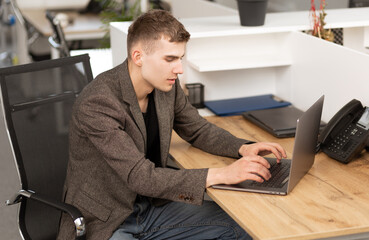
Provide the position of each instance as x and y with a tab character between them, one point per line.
107	166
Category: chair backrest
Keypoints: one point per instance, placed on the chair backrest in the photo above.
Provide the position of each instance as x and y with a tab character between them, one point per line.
358	3
37	100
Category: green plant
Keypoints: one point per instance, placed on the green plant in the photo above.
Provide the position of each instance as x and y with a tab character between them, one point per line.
318	22
116	11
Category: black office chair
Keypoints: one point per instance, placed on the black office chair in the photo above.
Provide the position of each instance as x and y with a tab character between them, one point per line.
37	100
57	40
358	3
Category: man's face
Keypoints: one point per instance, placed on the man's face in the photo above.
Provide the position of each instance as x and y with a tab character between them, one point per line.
161	66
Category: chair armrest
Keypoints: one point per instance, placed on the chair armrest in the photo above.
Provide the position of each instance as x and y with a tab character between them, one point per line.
75	214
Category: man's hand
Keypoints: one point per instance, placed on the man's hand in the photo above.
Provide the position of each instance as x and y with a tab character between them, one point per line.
250	167
262	149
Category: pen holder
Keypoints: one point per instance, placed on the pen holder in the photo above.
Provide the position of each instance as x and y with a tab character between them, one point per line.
196	94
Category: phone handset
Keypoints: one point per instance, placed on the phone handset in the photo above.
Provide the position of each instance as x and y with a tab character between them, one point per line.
346	133
340	119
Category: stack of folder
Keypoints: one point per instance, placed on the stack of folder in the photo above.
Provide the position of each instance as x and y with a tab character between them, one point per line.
280	122
276	116
237	106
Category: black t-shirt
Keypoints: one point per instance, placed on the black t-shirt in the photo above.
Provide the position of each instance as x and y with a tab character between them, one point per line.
152	132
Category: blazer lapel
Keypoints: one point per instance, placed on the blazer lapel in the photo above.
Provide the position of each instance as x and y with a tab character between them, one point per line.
164	124
129	96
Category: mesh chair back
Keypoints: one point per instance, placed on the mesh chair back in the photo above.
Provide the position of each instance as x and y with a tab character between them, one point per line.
38	99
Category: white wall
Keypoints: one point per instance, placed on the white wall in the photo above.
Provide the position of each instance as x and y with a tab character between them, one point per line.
321	67
357	38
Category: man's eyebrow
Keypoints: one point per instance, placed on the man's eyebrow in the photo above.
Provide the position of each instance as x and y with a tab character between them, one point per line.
174	56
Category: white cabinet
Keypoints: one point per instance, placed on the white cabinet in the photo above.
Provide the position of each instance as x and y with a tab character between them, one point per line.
238	52
233	66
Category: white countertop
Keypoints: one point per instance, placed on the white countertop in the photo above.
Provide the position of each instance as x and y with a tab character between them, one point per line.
274	22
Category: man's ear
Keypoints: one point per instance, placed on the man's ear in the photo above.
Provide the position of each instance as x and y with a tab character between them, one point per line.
137	57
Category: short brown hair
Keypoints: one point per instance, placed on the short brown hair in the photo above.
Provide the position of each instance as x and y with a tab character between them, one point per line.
154	25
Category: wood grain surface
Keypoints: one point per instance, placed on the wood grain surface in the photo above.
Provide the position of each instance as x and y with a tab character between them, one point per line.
331	200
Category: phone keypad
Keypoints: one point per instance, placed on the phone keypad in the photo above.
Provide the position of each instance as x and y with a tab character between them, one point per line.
344	144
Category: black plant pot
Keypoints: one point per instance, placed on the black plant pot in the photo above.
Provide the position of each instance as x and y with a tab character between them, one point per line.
252	12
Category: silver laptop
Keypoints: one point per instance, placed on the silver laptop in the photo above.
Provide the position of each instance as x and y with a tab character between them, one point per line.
287	173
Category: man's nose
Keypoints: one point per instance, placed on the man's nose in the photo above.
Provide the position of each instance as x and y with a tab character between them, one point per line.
178	69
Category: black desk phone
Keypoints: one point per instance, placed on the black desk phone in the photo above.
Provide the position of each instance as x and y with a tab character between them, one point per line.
346	134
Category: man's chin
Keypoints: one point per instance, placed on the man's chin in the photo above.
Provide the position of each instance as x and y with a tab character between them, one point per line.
166	88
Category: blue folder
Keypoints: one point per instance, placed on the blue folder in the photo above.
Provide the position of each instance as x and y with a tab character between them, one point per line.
237	106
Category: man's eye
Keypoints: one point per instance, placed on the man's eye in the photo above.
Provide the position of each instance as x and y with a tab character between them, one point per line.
169	59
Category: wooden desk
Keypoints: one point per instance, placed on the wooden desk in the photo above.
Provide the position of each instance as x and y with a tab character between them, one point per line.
81	27
331	200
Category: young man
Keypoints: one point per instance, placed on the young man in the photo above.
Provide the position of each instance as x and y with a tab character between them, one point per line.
119	142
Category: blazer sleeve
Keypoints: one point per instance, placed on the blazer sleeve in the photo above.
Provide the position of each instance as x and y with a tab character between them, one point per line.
200	133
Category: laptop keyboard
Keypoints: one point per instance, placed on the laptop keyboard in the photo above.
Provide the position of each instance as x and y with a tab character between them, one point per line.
280	172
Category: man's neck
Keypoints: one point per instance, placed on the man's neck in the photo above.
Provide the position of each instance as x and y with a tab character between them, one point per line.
140	86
